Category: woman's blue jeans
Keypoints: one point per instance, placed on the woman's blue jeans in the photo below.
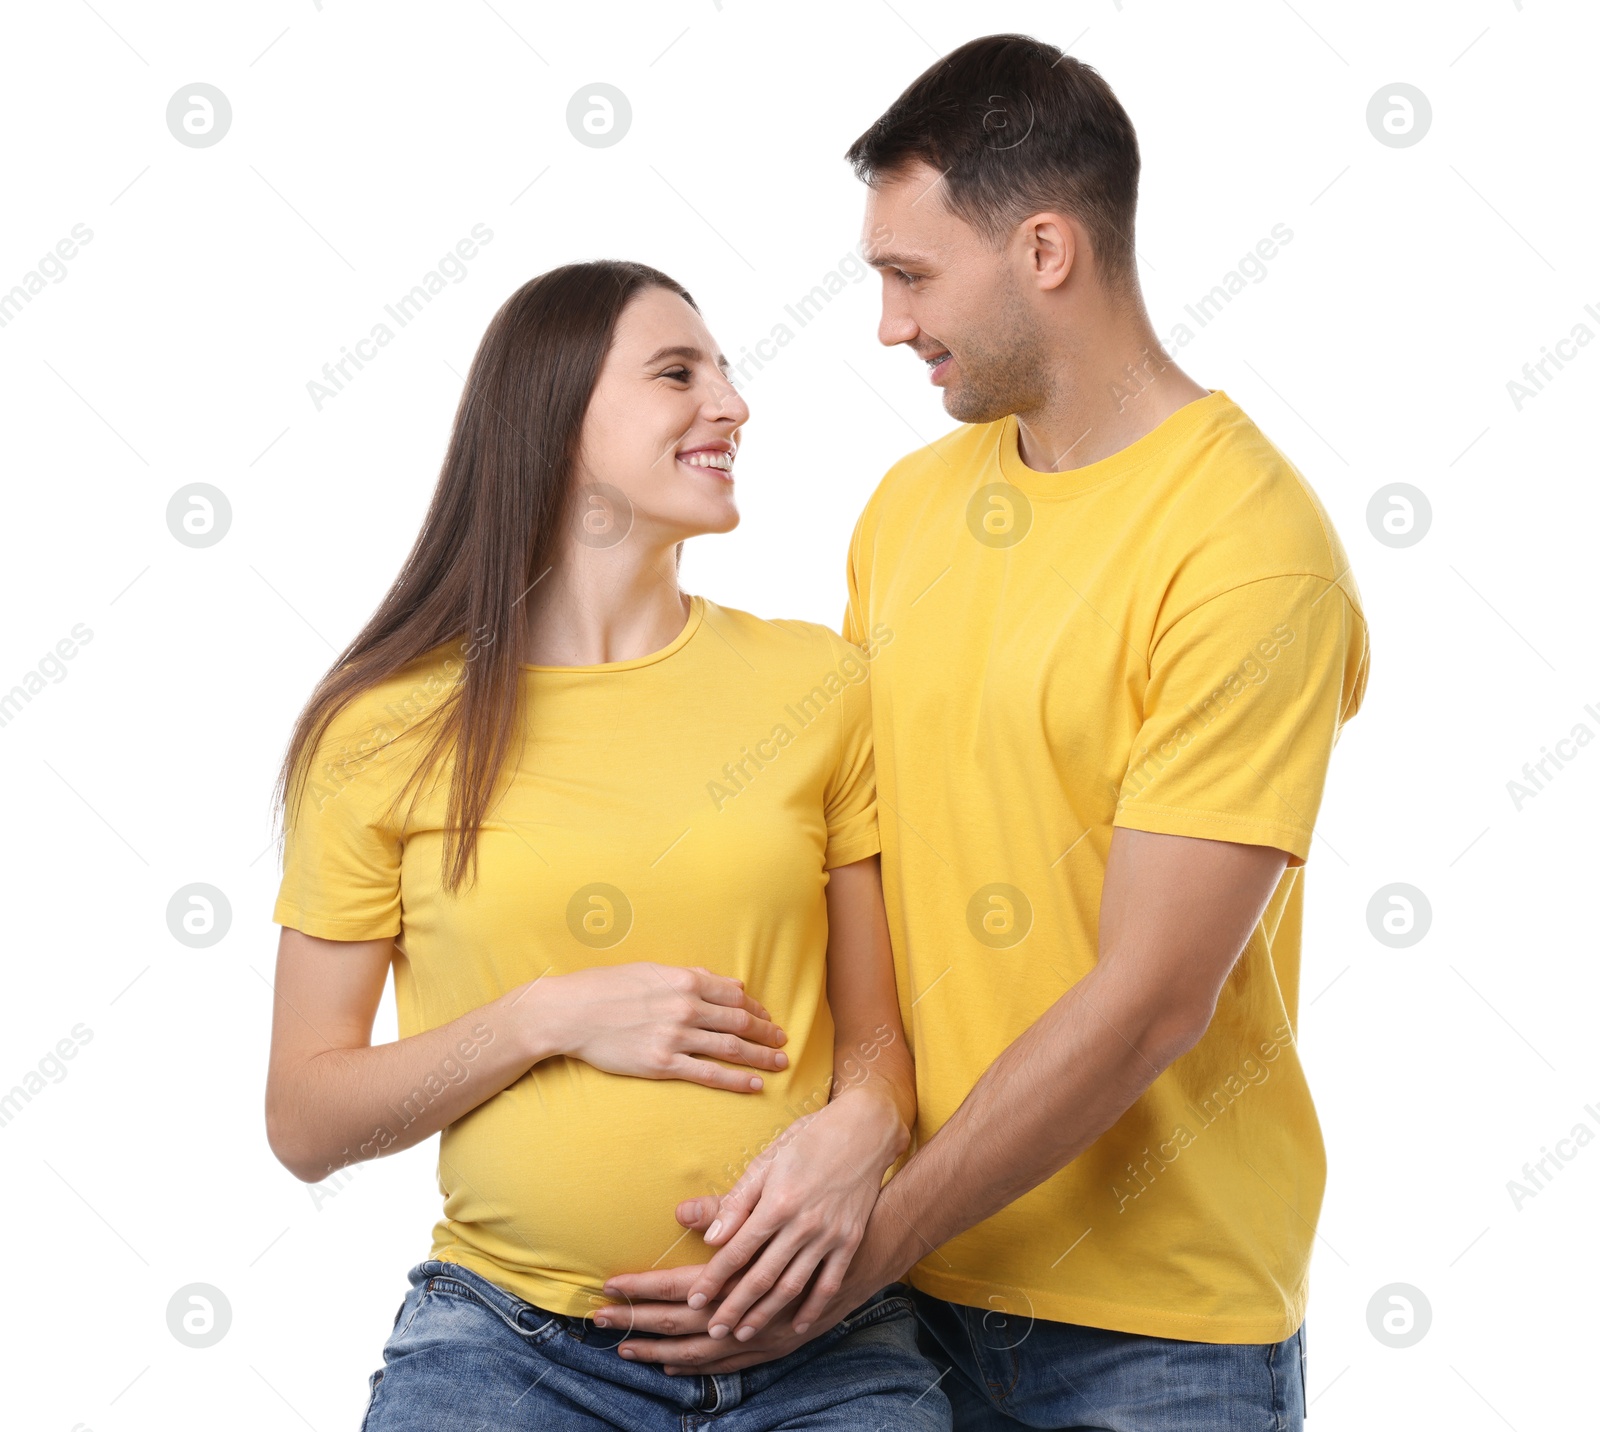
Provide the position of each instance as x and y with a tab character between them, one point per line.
467	1356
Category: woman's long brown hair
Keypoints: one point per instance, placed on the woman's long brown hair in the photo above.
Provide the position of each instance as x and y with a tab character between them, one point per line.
489	535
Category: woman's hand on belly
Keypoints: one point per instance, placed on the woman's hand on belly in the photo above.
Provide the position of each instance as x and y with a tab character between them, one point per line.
651	1021
800	1209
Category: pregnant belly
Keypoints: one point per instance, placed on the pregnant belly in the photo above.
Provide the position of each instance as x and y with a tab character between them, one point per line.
572	1175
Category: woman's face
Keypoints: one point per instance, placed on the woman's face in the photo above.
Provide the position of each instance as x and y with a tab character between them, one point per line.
656	458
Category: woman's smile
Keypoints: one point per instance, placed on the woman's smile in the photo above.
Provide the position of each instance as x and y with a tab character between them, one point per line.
715	456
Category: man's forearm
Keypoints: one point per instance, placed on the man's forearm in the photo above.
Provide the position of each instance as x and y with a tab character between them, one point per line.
1060	1085
1175	913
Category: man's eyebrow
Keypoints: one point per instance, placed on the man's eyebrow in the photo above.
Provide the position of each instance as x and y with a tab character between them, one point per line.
687	352
889	260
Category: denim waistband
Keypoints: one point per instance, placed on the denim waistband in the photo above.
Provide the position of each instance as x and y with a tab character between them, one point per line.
701	1396
528	1317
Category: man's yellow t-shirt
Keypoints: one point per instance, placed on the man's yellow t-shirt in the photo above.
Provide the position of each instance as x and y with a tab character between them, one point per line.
684	808
1169	640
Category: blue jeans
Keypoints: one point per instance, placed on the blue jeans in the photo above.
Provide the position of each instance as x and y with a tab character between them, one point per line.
1002	1374
467	1356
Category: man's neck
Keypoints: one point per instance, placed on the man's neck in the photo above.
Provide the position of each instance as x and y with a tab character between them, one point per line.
1107	398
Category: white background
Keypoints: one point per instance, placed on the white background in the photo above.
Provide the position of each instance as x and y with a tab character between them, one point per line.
365	142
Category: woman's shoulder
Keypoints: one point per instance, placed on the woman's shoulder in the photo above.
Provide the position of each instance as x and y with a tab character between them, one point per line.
378	715
804	644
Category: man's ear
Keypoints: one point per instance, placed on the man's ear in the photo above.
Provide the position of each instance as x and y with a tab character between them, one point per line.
1052	242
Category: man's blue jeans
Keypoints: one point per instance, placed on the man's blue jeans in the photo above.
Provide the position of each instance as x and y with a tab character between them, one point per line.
467	1356
1002	1374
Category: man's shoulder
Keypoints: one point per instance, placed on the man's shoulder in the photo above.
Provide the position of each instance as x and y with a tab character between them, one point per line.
945	463
1254	508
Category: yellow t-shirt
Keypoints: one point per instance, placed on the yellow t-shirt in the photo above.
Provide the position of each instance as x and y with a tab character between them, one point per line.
682	807
1168	640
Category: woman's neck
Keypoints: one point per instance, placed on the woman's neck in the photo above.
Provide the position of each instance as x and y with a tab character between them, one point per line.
601	605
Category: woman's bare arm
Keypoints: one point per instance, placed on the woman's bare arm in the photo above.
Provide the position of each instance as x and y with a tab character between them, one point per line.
869	1044
334	1099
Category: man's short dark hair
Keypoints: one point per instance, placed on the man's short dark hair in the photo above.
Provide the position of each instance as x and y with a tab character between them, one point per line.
1016	127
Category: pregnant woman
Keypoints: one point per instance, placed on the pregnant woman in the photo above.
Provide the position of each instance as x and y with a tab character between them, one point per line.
619	844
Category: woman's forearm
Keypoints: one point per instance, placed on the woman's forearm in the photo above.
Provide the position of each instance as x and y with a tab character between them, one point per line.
871	1061
333	1099
343	1106
877	1066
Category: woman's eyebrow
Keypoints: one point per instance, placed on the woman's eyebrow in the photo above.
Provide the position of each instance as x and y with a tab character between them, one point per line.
685	351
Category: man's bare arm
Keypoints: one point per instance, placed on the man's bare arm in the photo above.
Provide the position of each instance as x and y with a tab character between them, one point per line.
1175	913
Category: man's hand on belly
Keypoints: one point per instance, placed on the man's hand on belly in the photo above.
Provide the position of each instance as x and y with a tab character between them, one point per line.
656	1302
790	1228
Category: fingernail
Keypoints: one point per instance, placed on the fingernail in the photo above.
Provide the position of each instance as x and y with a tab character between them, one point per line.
755	1083
719	1330
602	1323
625	1350
712	1232
697	1300
801	1327
782	1061
745	1334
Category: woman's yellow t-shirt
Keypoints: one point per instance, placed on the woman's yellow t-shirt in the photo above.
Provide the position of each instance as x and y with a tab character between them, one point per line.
683	807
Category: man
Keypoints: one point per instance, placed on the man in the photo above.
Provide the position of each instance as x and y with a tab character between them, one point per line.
1116	641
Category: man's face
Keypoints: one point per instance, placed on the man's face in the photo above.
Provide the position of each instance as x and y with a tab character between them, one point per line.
963	306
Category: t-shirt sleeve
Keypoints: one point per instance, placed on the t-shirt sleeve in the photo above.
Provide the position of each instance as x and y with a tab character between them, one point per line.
854	625
851	799
341	853
1247	695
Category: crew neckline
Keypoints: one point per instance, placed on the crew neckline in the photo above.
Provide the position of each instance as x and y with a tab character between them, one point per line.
690	625
1172	429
